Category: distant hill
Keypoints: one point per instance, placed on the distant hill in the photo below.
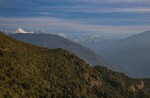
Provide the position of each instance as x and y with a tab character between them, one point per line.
31	71
132	54
54	41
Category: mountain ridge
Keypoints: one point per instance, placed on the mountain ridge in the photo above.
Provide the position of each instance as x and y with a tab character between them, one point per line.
55	41
131	54
58	73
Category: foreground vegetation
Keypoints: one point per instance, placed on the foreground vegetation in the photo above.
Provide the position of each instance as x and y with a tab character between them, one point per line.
30	71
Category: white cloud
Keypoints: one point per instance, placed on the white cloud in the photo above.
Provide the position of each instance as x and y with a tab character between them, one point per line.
54	25
114	1
114	10
97	9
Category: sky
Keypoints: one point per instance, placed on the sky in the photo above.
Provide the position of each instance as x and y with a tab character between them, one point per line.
107	18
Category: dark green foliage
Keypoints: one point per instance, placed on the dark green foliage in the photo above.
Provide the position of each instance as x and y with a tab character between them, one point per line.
29	71
42	73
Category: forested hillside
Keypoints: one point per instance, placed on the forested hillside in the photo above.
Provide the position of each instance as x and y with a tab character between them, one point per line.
31	71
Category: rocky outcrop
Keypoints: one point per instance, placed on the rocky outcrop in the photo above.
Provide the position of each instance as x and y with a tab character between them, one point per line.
137	86
140	85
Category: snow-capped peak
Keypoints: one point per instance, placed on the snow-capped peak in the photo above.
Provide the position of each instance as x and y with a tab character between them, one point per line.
20	30
62	35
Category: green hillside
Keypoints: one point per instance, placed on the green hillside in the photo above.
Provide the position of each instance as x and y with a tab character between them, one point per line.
27	71
9	44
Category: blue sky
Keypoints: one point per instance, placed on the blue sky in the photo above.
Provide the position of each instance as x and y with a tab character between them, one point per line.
77	17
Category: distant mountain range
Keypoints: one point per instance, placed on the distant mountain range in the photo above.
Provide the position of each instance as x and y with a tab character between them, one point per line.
28	71
131	55
61	41
89	38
